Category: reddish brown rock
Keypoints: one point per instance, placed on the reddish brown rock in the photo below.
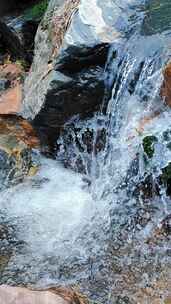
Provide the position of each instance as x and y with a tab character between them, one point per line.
17	138
11	98
11	71
19	128
21	295
166	86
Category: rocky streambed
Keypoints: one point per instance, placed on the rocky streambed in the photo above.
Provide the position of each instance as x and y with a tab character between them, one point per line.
85	156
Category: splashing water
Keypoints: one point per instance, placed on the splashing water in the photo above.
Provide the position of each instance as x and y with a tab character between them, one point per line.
103	232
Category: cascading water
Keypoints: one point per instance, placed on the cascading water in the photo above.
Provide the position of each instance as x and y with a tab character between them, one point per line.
103	232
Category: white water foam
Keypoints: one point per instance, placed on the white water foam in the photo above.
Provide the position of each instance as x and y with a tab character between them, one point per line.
50	209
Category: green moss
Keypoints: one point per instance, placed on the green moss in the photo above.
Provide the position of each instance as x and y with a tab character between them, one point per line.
37	11
148	145
157	17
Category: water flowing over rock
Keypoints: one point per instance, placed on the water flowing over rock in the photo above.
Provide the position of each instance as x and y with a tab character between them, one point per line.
67	75
107	230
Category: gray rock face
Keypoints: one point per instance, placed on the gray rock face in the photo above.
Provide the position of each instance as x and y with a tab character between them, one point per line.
67	75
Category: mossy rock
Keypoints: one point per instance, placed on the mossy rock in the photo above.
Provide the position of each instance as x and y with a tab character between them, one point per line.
37	11
148	145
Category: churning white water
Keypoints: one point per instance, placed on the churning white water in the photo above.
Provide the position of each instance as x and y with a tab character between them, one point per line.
50	210
54	204
103	234
55	218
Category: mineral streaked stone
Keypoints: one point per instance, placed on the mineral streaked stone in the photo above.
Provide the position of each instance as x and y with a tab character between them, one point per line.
21	295
166	86
17	138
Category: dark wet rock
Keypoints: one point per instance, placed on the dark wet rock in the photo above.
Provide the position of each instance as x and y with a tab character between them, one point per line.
10	42
4	84
166	137
79	93
29	29
147	188
165	178
166	225
72	49
11	5
17	139
161	233
85	138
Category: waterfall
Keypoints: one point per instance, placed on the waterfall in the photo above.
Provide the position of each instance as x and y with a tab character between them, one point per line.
100	226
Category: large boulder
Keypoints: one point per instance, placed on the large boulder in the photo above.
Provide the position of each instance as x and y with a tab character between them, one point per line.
20	295
67	75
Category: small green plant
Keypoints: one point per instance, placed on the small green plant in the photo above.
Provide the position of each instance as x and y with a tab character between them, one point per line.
37	11
148	145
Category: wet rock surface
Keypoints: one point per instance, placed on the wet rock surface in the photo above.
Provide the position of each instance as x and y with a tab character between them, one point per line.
12	75
10	42
121	254
29	29
72	48
17	139
7	241
86	138
166	86
51	295
11	5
